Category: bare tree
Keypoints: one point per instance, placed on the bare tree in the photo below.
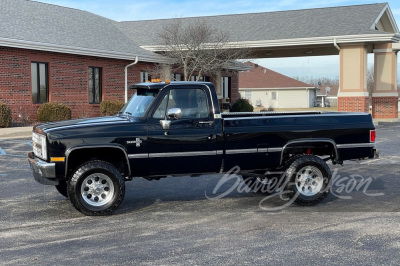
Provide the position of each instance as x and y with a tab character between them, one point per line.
197	48
316	81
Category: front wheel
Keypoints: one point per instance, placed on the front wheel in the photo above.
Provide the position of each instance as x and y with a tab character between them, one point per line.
308	180
96	188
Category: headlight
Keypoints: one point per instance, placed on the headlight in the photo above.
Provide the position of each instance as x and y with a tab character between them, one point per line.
39	145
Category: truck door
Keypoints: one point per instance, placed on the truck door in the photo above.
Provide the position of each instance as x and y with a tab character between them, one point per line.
190	143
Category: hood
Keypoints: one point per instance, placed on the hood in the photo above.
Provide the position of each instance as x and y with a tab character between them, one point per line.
86	122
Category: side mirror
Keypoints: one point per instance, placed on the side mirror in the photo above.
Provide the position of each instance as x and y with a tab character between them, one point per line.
174	113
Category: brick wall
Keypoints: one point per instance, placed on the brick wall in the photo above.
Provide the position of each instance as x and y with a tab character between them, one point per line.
353	104
385	107
68	80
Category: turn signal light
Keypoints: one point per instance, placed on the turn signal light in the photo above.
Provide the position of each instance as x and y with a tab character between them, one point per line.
57	159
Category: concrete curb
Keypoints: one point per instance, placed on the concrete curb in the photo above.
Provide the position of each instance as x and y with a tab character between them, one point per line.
16	132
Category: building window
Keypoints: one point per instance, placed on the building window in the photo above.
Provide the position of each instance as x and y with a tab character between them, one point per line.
247	96
40	82
202	78
145	76
177	77
226	86
273	95
94	84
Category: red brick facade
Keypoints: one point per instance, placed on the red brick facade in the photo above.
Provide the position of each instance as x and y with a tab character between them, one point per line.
67	79
385	107
353	104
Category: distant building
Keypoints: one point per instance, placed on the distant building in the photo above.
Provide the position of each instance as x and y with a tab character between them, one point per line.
265	88
327	96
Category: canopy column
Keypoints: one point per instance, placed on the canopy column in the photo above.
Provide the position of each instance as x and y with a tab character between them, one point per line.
385	96
353	94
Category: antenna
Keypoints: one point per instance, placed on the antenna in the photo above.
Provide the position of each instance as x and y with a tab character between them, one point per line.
328	90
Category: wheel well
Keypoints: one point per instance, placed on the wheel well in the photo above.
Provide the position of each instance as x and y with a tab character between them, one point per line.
115	156
320	148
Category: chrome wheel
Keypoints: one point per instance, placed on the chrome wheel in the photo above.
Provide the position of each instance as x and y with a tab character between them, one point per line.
309	180
97	189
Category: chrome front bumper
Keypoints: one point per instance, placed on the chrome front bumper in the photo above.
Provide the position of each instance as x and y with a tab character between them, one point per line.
43	172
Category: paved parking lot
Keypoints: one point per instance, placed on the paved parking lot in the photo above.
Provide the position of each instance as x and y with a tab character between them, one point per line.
174	221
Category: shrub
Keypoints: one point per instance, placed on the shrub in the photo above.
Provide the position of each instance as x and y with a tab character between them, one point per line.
111	107
51	112
5	115
242	105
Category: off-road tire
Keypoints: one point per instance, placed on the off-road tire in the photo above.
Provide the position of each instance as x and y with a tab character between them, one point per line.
308	180
96	188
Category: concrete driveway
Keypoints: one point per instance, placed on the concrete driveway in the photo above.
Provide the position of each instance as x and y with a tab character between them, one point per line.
173	221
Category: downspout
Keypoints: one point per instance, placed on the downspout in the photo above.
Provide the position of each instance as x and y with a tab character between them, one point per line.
126	77
337	47
335	44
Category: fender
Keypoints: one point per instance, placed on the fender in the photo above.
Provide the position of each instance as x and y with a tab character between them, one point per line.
68	152
314	141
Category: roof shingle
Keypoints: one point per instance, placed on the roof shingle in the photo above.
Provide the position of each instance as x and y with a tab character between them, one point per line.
261	77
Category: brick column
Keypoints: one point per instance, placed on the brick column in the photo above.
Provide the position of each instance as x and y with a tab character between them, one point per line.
353	95
385	95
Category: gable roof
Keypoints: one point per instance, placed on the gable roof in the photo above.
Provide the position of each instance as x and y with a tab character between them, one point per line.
332	91
309	26
40	26
263	78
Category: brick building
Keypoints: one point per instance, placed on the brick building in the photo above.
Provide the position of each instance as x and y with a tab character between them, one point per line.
54	53
50	53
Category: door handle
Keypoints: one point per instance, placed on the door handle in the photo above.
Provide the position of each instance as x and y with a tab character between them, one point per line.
206	122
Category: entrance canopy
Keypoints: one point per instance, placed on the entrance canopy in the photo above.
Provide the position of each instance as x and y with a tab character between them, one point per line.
349	31
288	33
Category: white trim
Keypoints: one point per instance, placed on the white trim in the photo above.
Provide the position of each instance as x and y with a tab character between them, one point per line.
382	50
378	18
76	50
390	16
385	94
386	37
353	94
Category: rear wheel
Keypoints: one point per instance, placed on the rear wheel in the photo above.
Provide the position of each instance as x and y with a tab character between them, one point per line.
96	188
308	180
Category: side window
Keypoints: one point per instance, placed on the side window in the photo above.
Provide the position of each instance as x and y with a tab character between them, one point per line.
160	112
192	102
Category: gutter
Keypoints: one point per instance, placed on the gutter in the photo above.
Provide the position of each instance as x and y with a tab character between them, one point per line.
126	77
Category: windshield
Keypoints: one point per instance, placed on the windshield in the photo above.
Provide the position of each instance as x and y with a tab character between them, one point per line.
139	103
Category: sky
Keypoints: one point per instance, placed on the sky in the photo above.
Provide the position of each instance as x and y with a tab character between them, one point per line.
300	67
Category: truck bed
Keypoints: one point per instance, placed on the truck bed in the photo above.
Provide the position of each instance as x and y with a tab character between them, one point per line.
263	138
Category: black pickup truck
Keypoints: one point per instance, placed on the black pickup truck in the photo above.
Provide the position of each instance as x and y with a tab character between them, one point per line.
177	129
